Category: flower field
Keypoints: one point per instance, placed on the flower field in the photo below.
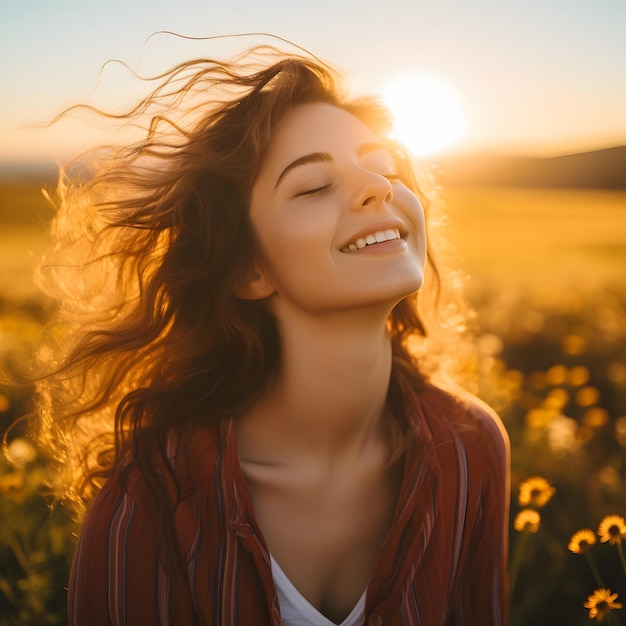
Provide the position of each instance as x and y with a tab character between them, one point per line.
548	284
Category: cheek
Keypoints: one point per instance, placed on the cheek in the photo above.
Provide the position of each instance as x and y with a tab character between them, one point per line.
292	249
411	207
409	204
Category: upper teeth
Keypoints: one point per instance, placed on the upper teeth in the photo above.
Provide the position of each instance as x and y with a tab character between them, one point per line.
378	237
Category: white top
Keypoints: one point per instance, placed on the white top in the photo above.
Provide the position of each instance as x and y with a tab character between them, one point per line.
296	610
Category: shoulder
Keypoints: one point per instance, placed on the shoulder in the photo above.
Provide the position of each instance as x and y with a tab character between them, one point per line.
466	418
128	503
187	461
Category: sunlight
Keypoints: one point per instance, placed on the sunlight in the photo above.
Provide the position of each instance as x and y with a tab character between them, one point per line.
427	111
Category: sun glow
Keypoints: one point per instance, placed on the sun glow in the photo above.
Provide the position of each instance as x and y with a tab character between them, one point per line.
427	111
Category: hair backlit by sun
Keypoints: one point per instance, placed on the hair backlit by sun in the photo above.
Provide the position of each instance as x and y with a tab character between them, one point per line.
427	111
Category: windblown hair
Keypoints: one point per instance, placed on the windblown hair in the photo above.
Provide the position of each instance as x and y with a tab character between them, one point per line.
151	242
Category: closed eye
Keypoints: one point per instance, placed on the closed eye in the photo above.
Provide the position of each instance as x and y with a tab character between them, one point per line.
314	191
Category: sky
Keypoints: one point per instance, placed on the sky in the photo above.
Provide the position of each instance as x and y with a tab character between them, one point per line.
533	77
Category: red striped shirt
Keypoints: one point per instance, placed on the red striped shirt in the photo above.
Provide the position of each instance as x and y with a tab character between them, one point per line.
444	562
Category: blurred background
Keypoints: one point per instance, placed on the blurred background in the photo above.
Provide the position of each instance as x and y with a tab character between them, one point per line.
519	108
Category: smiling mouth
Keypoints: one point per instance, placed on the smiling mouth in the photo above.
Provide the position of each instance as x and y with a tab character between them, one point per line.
372	239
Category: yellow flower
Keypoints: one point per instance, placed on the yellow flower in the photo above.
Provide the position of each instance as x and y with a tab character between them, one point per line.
601	602
535	491
582	541
527	520
612	528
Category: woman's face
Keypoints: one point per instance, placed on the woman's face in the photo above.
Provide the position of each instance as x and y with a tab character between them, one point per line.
336	227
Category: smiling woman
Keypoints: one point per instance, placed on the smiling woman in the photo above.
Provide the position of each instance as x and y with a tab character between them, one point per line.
241	381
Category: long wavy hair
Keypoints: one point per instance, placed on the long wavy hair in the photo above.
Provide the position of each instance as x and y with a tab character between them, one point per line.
151	242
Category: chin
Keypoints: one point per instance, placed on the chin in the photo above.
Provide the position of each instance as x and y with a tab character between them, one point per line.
395	293
410	285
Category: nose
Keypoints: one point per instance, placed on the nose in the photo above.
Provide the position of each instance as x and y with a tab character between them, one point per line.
372	190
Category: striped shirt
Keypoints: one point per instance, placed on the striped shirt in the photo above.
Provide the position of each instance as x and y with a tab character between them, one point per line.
443	563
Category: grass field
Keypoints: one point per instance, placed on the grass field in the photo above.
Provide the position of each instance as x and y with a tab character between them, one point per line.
24	218
539	233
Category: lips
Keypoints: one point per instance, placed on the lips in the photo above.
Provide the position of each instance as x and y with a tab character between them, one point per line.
371	239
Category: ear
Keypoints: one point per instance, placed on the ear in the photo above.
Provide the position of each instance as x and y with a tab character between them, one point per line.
257	287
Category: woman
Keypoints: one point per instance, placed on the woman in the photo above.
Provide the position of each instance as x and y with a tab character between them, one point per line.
245	399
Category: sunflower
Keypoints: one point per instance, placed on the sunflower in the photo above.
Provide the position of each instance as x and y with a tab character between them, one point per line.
601	602
582	541
535	491
527	520
612	528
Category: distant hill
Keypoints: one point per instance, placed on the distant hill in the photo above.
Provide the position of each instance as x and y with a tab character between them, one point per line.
604	169
27	171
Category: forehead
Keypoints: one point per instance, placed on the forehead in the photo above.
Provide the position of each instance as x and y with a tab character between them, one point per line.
315	127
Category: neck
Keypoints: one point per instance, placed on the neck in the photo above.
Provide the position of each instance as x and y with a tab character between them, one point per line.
329	397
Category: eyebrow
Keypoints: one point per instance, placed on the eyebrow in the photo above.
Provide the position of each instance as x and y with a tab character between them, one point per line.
314	157
325	157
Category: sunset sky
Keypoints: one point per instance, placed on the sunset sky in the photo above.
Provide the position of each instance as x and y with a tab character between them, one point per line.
537	77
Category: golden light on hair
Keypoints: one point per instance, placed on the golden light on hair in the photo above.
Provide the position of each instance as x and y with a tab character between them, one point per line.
427	111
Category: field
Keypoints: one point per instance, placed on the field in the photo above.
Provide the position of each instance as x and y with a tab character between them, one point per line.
532	234
548	283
